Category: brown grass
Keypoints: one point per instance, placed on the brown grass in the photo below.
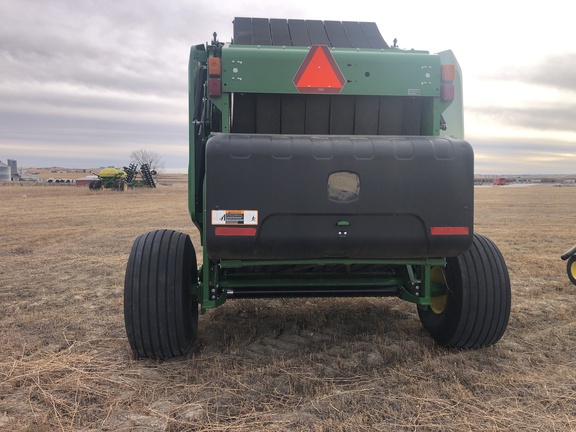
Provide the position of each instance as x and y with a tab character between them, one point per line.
310	364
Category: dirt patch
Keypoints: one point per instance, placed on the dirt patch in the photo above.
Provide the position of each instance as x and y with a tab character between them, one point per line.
304	364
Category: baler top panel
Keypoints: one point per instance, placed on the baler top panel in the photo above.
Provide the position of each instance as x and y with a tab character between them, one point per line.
304	33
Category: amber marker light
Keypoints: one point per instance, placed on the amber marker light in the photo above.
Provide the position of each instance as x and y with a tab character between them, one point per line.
448	72
214	67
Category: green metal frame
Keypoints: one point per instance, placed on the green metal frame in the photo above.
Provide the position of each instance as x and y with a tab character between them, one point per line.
271	70
374	72
215	282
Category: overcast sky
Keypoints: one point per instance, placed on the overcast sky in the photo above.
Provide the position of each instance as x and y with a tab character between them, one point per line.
85	82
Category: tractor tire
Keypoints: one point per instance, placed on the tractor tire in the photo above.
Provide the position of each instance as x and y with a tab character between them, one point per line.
475	311
571	269
160	314
95	185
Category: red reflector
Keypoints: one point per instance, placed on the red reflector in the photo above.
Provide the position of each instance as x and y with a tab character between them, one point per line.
214	87
447	92
319	72
449	230
243	232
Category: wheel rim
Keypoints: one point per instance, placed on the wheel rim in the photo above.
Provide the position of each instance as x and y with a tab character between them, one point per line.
438	303
572	269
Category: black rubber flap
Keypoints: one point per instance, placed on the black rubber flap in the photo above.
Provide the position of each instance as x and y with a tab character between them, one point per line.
281	32
301	197
327	114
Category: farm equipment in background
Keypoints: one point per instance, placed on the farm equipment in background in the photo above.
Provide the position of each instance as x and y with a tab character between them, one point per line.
323	163
570	257
145	172
109	178
500	181
122	179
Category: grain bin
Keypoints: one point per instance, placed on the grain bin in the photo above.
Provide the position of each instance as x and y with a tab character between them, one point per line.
5	172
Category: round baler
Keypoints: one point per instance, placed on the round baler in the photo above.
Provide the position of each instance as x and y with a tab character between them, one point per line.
322	163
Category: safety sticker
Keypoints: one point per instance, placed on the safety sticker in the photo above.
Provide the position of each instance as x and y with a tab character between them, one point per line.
234	217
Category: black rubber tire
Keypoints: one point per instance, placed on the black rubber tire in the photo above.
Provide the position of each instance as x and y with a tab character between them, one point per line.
95	185
571	269
160	315
478	299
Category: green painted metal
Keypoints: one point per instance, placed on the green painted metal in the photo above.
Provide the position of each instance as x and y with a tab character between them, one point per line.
367	71
216	279
452	112
197	58
332	261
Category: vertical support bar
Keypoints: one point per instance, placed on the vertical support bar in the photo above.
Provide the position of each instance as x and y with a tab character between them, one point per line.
210	273
420	290
426	292
223	104
205	284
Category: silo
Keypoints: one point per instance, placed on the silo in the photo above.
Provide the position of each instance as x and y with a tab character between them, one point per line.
5	172
13	169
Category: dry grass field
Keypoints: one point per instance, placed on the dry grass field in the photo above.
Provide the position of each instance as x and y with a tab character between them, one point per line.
281	365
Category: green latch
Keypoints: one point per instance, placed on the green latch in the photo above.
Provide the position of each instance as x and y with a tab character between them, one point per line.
343	223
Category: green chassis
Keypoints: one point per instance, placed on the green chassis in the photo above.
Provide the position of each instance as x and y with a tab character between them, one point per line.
397	278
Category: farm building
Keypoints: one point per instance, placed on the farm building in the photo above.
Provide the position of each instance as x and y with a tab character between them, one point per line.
85	181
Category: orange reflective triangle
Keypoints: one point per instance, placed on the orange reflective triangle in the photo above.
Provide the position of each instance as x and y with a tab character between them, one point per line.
319	72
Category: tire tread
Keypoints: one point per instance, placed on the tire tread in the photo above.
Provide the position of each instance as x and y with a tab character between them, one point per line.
159	313
479	312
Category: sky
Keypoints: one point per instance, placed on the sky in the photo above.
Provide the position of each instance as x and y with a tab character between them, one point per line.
83	83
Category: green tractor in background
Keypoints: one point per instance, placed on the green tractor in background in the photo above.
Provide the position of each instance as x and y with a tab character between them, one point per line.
122	179
110	178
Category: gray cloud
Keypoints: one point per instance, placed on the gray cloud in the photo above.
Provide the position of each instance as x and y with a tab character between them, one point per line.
552	73
96	77
555	71
529	156
76	43
559	117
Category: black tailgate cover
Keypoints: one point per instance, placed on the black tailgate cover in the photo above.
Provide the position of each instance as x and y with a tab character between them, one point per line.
362	197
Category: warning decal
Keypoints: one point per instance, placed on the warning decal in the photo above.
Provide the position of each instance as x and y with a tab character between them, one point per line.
234	217
319	72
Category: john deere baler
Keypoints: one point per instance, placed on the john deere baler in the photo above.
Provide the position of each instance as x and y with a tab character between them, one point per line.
323	162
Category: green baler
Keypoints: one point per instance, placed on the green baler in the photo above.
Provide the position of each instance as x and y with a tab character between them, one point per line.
323	163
